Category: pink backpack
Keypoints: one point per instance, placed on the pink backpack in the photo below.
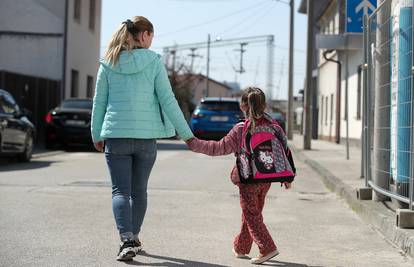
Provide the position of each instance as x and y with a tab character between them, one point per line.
265	156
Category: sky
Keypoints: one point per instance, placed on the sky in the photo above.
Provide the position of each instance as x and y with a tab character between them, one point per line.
180	22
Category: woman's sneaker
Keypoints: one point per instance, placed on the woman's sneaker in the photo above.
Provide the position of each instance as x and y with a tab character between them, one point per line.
126	251
137	246
263	258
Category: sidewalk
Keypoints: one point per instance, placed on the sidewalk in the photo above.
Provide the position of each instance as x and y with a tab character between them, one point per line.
343	177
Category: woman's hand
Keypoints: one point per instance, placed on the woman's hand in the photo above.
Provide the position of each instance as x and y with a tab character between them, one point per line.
99	145
287	185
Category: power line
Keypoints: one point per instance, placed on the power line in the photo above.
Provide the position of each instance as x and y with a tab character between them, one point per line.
256	5
246	19
258	18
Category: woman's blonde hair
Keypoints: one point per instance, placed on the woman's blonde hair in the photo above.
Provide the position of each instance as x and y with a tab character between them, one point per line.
256	103
128	29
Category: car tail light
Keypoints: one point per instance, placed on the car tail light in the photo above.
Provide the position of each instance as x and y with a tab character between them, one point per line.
48	118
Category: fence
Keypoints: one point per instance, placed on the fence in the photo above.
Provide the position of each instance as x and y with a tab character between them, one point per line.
388	132
38	95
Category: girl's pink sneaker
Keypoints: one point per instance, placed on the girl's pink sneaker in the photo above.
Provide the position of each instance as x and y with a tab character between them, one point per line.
263	258
239	255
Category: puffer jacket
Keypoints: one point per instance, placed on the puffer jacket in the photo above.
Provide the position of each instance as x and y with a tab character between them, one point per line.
134	99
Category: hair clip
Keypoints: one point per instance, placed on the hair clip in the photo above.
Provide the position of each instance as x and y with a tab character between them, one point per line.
130	26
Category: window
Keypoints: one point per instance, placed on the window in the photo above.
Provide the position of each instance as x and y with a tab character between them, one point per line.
332	103
74	86
89	86
77	10
359	98
92	6
322	110
7	104
77	104
326	111
220	106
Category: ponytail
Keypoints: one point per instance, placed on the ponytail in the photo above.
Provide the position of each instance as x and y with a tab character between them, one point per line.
256	102
128	29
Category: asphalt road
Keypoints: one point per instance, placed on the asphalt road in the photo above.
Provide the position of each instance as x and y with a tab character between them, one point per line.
56	211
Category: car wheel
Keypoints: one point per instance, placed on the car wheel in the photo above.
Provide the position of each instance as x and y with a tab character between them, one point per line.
28	151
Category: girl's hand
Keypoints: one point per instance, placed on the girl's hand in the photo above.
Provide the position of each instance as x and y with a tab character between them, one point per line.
99	145
287	185
188	141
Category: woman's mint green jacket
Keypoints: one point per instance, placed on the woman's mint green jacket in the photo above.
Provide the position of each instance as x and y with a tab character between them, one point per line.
129	97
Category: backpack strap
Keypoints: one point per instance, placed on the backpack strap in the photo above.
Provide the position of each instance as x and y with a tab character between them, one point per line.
246	136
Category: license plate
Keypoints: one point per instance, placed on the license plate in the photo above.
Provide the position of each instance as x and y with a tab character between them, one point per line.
75	122
219	118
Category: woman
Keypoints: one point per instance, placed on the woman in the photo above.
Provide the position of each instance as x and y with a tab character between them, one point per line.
133	106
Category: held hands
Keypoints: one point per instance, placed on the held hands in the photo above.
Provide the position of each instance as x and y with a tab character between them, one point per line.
99	145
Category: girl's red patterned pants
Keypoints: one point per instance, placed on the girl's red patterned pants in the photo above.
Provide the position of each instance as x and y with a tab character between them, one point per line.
252	199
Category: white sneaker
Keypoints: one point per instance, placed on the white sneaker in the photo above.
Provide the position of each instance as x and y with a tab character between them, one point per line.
240	255
263	258
126	251
137	246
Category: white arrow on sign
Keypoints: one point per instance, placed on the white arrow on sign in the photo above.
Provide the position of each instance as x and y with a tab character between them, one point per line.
366	5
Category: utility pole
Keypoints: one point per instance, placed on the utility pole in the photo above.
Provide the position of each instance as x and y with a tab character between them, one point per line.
290	93
208	65
173	53
193	55
308	90
241	70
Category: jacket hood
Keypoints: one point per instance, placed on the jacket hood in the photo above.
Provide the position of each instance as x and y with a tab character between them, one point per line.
132	61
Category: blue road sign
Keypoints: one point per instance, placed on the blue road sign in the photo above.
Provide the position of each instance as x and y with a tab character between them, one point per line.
355	10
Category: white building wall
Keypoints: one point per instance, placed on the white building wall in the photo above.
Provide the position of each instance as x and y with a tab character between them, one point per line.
34	55
355	58
82	47
327	97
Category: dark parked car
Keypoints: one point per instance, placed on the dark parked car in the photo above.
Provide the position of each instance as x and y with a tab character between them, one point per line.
213	118
69	123
17	133
280	118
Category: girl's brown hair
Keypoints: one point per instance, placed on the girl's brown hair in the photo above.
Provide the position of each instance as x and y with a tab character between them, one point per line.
256	102
119	41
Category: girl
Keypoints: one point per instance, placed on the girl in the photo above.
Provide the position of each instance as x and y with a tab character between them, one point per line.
133	105
252	196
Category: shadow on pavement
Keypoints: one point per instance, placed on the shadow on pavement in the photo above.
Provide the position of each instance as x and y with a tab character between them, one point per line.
170	262
11	165
287	264
171	146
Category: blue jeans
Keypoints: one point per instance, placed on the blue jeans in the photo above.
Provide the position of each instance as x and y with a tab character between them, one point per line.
130	162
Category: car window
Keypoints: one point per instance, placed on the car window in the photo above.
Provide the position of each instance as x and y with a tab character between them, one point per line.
7	104
220	106
78	104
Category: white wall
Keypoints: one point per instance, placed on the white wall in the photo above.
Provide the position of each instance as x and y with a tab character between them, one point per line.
82	47
355	58
32	55
327	87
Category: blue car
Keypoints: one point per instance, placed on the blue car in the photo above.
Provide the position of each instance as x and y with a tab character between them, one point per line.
213	118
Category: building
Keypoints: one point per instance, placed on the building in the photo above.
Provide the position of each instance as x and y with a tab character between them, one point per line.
197	84
339	55
49	51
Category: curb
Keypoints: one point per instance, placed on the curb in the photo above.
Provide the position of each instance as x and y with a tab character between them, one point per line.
374	213
47	154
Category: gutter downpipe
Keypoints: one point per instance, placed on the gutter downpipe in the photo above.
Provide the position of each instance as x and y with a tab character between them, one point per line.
338	94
